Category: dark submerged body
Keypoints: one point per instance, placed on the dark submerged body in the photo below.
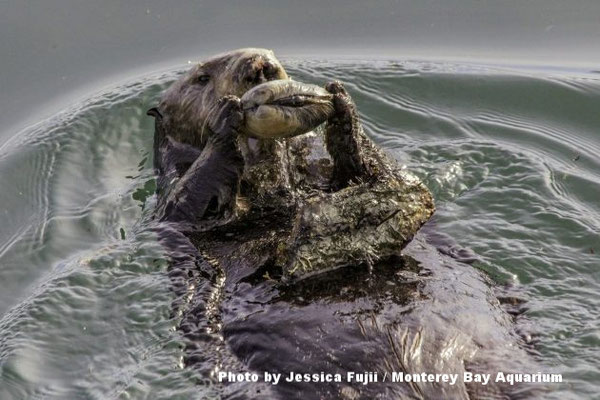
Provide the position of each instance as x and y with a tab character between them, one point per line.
419	311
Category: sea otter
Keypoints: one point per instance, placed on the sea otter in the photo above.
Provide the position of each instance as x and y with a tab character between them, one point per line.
287	253
345	202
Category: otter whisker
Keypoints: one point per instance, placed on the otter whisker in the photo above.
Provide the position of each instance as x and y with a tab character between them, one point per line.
213	108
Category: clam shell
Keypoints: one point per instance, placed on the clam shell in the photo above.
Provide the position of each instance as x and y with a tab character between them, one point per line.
285	108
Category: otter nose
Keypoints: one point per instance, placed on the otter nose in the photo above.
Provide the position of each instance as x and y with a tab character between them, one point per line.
263	72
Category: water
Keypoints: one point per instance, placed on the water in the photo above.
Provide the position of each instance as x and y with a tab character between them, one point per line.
510	155
56	52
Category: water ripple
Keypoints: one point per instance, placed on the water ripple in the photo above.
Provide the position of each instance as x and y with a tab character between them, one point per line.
510	155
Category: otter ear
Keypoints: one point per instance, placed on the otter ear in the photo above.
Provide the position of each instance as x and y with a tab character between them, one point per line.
153	112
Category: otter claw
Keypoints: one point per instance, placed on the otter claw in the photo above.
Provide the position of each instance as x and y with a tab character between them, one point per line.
342	103
229	101
336	87
228	116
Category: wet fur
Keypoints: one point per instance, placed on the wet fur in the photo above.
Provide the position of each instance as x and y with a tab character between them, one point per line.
236	315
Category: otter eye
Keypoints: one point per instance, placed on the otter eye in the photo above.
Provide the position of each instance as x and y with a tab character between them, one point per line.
203	79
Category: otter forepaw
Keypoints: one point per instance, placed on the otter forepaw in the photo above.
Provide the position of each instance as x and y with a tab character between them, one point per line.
227	118
336	87
345	114
208	188
343	139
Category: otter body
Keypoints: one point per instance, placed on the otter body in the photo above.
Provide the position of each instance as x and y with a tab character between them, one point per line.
286	254
347	202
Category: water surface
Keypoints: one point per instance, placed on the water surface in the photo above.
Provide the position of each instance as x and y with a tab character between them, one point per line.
56	52
510	155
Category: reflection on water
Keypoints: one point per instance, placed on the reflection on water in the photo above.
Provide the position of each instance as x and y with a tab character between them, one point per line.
510	156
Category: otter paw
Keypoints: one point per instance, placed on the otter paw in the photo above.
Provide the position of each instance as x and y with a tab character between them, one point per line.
336	87
227	118
344	108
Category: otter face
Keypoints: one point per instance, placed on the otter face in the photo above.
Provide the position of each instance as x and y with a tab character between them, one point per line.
186	105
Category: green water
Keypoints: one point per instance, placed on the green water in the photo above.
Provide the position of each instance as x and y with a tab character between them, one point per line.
511	156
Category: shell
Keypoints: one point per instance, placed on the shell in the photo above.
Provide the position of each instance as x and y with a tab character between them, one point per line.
285	108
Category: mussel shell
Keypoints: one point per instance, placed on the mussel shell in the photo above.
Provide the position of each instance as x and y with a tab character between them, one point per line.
285	108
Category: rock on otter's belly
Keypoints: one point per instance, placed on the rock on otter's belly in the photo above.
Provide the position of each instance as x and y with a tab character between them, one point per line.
285	108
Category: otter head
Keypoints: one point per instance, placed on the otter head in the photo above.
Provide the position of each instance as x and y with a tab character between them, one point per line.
186	105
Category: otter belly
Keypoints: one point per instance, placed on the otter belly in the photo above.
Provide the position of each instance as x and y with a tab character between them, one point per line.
285	108
421	312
